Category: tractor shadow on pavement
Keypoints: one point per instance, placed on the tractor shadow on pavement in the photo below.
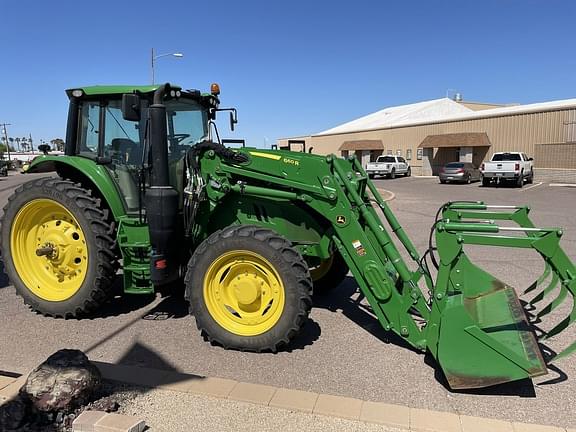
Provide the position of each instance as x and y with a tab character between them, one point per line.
4	282
346	298
310	334
120	303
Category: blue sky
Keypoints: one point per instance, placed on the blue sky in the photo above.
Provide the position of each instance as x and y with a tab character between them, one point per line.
291	68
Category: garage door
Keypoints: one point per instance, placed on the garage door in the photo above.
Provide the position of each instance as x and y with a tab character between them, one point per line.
559	155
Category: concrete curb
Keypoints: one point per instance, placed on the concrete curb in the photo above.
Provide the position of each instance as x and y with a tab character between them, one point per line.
562	185
412	419
386	194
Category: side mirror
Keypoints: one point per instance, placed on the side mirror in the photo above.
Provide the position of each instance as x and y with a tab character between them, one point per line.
131	107
530	159
233	119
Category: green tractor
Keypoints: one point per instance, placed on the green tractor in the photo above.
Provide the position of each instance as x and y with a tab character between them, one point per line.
146	186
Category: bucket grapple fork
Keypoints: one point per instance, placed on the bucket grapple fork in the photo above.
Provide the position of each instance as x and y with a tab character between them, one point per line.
558	269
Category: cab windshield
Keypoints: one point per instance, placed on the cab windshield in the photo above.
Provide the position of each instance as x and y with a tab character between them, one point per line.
187	125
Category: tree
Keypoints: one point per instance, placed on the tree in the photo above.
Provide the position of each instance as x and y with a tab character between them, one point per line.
24	143
3	148
58	144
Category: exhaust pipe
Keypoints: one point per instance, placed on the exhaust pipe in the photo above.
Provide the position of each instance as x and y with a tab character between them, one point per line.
161	199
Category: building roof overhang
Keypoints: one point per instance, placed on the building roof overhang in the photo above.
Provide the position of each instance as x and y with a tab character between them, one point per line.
362	145
466	139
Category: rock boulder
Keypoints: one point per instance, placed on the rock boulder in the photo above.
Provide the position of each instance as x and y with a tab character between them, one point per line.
64	381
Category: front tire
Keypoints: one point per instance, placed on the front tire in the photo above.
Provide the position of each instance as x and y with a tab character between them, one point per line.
409	172
57	247
393	174
248	289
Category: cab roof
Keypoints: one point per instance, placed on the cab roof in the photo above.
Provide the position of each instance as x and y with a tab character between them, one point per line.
114	89
145	89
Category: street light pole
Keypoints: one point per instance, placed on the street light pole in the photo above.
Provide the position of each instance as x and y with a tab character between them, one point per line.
154	57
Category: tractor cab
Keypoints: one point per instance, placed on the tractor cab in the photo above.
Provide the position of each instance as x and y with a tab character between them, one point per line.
112	128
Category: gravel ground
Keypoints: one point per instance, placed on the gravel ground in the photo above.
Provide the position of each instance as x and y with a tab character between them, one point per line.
344	351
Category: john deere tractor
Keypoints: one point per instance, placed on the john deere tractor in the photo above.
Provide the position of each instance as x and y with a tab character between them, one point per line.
147	187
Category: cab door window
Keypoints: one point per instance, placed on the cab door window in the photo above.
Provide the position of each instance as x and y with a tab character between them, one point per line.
89	129
121	137
123	146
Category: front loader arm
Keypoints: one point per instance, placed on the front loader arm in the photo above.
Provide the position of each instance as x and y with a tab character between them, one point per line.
472	323
335	190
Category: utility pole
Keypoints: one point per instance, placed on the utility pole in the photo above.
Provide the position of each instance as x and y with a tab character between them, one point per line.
31	144
6	138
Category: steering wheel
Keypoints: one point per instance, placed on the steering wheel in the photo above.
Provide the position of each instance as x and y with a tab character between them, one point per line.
179	137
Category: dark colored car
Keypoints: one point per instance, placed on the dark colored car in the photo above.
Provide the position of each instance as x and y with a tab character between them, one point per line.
461	172
3	168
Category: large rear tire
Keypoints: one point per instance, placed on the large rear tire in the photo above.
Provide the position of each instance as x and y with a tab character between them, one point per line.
248	289
329	274
58	247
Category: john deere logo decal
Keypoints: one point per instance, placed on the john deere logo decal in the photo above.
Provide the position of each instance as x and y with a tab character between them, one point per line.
340	220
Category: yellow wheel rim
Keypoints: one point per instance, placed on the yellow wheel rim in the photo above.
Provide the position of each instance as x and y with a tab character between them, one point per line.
46	227
244	293
322	269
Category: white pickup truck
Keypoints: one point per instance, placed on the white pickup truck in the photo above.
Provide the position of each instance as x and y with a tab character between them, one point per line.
388	166
508	166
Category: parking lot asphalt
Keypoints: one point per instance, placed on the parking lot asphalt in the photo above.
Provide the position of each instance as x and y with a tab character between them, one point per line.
343	350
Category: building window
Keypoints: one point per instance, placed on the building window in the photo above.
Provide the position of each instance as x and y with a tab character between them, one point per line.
389	152
409	154
419	154
398	152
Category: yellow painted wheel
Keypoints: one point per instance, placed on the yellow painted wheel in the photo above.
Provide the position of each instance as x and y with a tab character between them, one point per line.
248	289
49	250
58	247
244	293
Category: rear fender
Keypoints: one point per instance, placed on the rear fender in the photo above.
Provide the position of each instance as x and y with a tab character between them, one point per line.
86	172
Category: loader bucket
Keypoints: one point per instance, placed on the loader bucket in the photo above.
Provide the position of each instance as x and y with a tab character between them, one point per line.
485	338
480	333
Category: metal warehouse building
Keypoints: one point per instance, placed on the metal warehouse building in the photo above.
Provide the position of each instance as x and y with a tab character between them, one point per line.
431	133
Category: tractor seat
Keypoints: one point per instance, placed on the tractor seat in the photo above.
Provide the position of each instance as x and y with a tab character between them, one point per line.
127	149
